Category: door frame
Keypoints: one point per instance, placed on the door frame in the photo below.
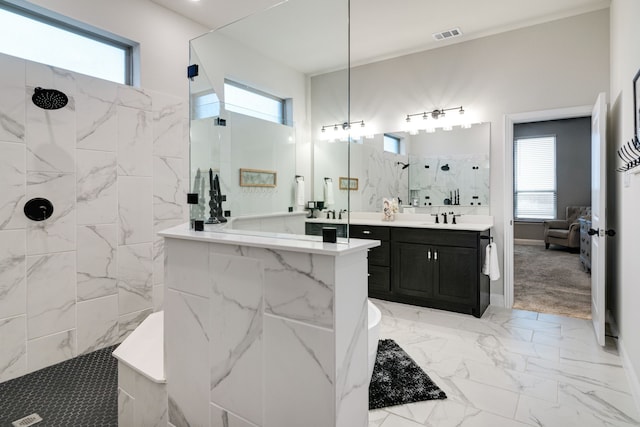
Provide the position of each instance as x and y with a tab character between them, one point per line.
509	121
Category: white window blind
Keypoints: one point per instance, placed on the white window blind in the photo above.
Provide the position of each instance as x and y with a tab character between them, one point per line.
535	178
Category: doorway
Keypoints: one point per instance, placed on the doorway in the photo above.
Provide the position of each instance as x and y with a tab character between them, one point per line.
552	199
509	226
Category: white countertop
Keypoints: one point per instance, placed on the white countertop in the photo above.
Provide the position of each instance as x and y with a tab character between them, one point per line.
465	222
284	242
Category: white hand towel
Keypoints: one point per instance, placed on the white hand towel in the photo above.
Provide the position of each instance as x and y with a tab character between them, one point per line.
491	267
328	192
299	192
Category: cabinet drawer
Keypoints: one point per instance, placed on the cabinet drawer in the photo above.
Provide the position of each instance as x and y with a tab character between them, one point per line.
379	279
436	237
380	255
369	232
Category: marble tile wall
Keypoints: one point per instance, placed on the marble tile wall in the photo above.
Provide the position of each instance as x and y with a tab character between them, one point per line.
112	162
264	345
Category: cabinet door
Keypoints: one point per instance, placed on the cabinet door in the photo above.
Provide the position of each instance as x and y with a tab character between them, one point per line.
455	274
412	271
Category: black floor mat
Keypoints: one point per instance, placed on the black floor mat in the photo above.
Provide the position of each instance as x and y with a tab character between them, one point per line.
397	379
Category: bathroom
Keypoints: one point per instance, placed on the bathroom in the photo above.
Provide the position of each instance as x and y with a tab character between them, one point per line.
113	312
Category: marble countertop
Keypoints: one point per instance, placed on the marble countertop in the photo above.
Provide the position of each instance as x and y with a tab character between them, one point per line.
216	233
465	222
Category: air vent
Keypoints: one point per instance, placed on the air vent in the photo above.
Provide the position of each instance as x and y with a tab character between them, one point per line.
447	34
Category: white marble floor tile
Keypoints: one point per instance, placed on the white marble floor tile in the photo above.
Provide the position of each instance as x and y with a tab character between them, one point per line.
546	414
527	384
487	398
393	420
510	368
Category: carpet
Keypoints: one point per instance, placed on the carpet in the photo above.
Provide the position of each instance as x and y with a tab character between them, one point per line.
397	379
551	281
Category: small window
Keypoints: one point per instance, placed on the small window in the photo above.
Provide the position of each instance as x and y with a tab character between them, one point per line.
204	105
252	102
392	144
535	190
40	38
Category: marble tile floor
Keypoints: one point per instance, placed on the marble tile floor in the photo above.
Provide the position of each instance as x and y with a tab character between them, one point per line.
509	368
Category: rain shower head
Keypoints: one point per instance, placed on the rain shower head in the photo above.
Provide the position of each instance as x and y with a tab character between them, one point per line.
404	165
49	99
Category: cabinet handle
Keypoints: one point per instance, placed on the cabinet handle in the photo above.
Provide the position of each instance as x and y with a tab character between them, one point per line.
366	232
429	255
435	255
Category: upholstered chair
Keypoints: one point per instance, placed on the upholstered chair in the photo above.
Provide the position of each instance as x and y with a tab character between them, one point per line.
566	232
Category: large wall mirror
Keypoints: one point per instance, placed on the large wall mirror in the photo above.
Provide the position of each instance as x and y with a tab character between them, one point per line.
425	170
263	162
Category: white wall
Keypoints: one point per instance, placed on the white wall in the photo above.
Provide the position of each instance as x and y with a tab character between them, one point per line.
557	64
163	36
624	292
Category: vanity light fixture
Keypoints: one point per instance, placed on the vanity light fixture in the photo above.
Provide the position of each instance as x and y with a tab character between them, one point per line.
435	114
344	126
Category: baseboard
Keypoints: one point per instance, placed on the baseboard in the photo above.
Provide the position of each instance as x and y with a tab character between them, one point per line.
531	242
632	375
497	300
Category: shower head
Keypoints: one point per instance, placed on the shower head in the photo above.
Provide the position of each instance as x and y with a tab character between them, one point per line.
404	165
49	99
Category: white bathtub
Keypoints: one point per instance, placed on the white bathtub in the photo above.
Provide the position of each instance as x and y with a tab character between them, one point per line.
373	334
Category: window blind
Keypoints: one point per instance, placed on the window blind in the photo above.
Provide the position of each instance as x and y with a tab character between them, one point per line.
535	178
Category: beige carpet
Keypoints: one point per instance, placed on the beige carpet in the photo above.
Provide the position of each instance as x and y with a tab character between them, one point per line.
551	281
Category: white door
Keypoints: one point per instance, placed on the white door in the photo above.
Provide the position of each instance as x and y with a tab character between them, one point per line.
598	215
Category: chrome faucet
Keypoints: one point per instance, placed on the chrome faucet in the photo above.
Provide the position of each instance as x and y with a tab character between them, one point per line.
340	213
444	217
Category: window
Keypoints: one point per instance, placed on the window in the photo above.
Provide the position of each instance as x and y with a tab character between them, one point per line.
37	37
252	102
204	105
392	144
535	178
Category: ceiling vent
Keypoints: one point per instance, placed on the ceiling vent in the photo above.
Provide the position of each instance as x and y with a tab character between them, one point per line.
447	34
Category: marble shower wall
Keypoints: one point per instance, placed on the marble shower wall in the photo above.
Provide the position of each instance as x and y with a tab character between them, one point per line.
113	163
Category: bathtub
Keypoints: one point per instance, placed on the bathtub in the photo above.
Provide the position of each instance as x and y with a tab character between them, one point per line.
373	334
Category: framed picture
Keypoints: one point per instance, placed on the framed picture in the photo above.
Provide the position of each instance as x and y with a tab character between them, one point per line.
348	183
257	178
636	105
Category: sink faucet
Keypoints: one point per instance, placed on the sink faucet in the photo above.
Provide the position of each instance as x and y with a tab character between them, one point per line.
332	212
444	217
340	213
436	215
454	218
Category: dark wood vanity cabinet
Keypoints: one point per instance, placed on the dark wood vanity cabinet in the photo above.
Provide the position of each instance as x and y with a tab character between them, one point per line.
434	268
379	258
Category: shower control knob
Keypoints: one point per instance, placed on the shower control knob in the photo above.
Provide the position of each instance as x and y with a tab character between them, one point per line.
38	209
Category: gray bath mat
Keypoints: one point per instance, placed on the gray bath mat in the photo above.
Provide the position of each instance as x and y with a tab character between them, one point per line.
397	379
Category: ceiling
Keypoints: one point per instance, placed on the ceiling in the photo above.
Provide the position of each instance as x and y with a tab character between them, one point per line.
380	29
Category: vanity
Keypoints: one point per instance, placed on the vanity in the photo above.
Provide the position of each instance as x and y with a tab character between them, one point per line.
423	263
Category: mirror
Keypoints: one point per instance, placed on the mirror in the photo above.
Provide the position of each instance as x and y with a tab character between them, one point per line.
442	165
257	161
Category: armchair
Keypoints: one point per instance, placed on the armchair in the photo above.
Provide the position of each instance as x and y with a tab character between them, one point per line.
566	232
